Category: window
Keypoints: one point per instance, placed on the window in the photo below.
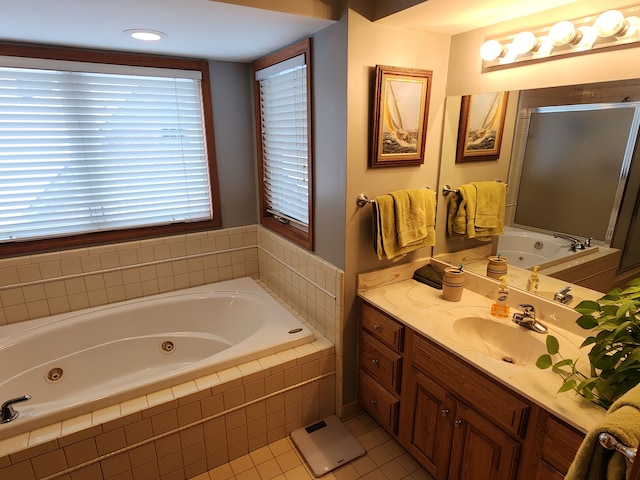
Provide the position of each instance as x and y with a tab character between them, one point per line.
282	97
99	152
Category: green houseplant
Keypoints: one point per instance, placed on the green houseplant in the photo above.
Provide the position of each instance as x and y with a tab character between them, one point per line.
614	358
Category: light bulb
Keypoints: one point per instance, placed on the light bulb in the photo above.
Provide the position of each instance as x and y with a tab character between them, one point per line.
524	42
146	35
633	27
545	47
491	50
588	37
562	33
610	23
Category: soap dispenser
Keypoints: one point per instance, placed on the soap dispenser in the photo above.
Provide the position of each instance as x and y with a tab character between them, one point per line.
532	283
501	308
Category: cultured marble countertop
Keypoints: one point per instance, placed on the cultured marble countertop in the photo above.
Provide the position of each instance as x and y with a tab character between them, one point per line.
423	309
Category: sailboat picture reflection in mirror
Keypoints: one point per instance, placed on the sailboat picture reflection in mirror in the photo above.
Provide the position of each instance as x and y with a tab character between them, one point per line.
481	125
400	116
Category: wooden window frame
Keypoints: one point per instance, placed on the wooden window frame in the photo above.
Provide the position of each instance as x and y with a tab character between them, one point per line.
299	237
30	247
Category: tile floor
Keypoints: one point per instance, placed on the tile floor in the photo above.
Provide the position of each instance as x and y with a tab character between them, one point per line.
384	460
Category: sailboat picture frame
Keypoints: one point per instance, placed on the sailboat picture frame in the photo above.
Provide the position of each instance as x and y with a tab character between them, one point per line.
481	126
400	112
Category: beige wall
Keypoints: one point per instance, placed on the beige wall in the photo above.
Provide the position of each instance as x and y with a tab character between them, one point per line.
371	44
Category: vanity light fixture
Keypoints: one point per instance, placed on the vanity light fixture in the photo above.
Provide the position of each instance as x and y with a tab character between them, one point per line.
607	29
145	35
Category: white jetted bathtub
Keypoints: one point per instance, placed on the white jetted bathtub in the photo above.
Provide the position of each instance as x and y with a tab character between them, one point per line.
74	363
525	248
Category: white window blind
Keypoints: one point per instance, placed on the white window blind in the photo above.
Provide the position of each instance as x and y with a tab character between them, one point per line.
283	101
84	152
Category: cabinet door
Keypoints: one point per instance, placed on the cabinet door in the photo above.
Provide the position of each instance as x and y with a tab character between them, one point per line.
480	450
433	411
547	472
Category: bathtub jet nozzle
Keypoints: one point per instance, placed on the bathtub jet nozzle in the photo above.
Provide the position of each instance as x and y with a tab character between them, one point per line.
7	413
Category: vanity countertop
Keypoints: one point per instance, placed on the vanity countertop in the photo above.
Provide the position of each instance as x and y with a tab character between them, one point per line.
423	309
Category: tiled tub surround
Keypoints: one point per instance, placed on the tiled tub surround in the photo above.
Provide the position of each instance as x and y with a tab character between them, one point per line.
299	384
77	362
184	430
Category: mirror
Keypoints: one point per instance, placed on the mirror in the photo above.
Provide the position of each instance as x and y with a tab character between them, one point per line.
623	257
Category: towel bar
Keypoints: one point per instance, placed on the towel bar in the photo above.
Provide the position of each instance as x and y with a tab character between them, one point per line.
363	200
446	189
610	442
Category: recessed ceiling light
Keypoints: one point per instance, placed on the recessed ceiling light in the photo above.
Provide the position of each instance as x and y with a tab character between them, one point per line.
146	35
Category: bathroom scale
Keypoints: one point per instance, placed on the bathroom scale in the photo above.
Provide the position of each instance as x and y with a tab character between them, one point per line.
327	445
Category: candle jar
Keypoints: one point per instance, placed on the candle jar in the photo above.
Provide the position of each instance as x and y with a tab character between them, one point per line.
452	284
497	267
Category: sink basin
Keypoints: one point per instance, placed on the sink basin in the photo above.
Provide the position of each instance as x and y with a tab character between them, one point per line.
501	339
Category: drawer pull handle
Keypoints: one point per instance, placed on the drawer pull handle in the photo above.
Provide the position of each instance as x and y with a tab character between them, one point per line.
376	327
457	423
372	402
375	361
444	412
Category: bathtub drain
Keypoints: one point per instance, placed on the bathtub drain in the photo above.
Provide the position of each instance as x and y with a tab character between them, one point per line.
167	346
295	330
55	374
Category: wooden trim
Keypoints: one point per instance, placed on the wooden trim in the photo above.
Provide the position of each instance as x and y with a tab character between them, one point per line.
290	232
116	58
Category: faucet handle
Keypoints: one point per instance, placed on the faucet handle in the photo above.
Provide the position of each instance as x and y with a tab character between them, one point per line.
527	309
7	413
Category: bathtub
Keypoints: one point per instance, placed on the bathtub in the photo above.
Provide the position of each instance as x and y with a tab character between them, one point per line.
77	362
525	248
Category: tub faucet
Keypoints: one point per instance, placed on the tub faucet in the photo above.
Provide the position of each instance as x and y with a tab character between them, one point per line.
527	319
563	296
7	413
575	243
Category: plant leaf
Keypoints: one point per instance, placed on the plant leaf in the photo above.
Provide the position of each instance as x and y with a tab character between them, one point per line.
587	322
588	341
566	386
553	346
587	307
562	363
544	361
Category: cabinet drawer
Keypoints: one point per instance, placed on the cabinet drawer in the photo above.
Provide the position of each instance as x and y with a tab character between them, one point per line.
384	328
381	362
380	404
471	386
560	445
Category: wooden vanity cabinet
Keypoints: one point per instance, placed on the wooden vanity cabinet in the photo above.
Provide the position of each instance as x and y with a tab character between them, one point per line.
455	420
381	363
459	424
556	444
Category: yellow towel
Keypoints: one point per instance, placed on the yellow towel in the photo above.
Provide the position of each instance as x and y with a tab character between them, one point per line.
386	238
490	203
476	210
593	461
415	212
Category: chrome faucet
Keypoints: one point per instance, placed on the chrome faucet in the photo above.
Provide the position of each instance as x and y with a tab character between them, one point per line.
527	319
575	243
563	296
7	413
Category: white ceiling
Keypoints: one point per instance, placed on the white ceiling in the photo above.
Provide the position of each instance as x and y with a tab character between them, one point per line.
214	30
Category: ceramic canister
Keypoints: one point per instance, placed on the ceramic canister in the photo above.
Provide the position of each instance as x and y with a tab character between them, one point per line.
497	267
452	284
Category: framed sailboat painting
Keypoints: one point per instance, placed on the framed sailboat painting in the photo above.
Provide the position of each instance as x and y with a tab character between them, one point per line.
400	111
481	126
